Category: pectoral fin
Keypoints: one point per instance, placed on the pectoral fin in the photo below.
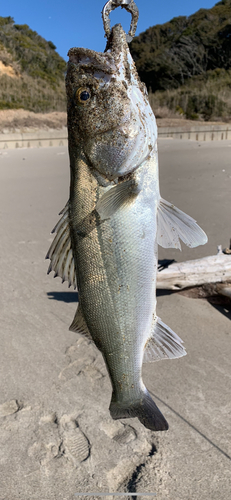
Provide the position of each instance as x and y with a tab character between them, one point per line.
60	252
117	196
173	225
163	343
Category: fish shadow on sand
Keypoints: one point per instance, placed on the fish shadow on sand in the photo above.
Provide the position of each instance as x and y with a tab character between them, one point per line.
221	304
73	296
63	296
162	291
163	264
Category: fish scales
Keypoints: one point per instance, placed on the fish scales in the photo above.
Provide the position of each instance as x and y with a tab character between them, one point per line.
115	295
114	221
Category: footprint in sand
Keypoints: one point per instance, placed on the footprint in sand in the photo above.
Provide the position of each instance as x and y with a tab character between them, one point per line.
125	435
60	439
76	445
118	431
48	444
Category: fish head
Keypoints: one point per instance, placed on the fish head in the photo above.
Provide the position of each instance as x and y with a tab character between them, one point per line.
109	116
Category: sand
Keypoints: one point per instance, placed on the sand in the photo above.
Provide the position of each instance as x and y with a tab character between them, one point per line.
56	434
21	119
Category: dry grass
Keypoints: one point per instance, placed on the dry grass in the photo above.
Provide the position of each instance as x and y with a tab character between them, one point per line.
204	98
13	119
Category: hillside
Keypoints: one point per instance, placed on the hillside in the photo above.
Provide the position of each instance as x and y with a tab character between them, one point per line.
186	63
31	71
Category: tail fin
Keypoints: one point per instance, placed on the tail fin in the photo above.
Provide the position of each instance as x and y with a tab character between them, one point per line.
145	409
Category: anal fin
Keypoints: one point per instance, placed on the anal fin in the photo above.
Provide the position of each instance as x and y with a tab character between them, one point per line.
79	324
173	225
163	343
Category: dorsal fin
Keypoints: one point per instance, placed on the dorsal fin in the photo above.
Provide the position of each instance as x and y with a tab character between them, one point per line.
60	252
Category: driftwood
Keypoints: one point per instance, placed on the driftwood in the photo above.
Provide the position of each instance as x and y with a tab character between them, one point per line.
213	269
224	289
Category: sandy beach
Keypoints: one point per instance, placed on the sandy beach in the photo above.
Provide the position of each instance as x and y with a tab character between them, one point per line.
57	438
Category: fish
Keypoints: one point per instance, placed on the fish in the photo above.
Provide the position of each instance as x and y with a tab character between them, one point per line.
106	241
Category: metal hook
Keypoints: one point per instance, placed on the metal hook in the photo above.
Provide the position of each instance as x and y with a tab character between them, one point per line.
130	6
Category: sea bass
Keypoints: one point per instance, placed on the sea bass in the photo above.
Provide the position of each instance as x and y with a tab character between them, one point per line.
106	240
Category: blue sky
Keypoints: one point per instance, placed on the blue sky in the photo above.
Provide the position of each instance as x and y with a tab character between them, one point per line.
78	23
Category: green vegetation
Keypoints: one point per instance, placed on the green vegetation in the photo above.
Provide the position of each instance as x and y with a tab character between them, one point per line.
186	63
206	97
34	75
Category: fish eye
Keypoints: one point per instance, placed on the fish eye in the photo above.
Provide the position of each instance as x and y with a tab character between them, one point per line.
82	95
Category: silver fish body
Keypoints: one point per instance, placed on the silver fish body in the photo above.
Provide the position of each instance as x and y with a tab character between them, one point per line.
108	235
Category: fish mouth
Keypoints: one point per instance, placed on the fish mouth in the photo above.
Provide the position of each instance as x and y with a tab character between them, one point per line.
117	40
106	62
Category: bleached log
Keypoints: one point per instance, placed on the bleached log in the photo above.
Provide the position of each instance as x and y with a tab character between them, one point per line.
212	269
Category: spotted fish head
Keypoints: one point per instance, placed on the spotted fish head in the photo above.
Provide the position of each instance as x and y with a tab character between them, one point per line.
109	116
